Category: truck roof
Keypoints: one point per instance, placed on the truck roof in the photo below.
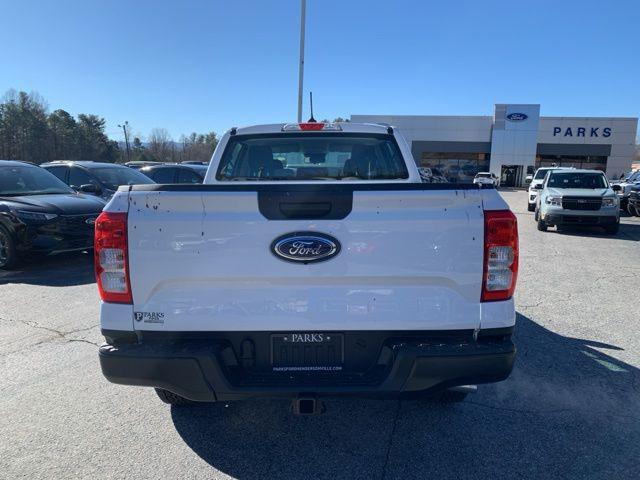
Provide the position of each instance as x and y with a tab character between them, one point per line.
344	126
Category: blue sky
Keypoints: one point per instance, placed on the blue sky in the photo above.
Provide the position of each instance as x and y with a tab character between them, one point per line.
208	65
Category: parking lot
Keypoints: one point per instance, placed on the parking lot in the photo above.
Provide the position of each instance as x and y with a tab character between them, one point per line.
571	408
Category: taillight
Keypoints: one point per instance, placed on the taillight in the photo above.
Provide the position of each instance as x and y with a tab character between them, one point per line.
500	255
311	126
111	257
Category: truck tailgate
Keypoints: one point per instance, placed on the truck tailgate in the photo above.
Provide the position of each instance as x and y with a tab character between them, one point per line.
410	259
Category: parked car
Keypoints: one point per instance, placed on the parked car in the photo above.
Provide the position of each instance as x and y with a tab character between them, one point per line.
138	164
633	204
344	275
624	177
95	178
630	180
175	173
538	179
577	197
40	214
486	178
194	162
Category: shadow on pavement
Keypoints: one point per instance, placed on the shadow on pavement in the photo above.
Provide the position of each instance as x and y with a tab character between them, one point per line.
62	270
628	231
567	411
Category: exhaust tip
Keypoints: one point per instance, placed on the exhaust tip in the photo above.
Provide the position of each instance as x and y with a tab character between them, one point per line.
464	389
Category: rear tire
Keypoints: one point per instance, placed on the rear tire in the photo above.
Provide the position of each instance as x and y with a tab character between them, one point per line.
632	210
171	398
531	207
542	225
8	253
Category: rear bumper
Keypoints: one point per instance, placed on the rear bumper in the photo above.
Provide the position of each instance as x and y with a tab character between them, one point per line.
210	370
577	219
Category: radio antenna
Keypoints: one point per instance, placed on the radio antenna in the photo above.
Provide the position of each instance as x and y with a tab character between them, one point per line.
311	120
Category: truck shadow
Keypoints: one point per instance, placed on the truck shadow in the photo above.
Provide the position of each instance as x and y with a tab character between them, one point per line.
567	411
62	270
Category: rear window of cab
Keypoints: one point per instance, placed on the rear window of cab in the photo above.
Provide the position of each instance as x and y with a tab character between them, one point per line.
312	156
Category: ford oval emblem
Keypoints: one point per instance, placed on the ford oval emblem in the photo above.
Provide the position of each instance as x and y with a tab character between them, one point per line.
305	247
517	117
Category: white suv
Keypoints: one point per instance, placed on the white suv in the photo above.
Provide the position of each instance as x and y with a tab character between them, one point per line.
538	179
577	197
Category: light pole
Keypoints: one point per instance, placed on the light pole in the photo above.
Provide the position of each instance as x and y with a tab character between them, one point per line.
303	14
126	139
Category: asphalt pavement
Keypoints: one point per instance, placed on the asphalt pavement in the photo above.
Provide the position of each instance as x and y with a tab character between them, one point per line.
571	408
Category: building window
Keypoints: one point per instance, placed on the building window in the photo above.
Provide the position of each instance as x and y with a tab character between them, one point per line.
591	162
456	167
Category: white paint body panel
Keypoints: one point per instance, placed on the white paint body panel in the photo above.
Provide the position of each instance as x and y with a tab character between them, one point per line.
498	314
116	316
410	260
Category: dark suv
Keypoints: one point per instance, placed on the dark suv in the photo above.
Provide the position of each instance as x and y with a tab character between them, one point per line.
176	173
96	178
40	214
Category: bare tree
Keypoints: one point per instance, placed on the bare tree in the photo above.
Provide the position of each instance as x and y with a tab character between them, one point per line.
161	145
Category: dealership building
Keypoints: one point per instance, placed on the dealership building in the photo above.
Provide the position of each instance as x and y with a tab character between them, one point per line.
514	142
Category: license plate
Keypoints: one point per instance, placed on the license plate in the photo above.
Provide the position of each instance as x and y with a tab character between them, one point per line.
307	352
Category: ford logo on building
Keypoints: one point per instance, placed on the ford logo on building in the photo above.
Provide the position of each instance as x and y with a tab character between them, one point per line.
305	247
517	117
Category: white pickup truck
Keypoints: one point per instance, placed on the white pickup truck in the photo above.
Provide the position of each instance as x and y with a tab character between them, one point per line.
312	262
